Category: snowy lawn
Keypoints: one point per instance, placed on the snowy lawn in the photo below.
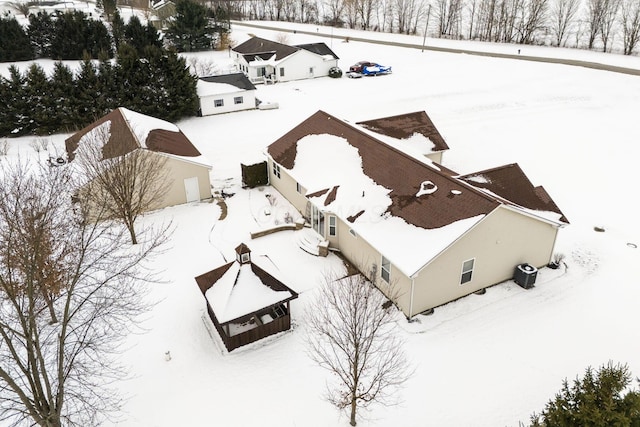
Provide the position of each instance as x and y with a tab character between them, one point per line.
485	360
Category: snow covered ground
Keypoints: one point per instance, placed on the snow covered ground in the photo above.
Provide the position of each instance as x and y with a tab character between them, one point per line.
485	360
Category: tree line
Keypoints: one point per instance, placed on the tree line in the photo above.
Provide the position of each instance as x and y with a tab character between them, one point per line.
155	82
591	24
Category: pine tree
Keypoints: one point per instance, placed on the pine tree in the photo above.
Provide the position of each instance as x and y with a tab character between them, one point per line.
181	88
15	44
17	107
117	29
190	30
42	108
41	32
6	116
99	40
62	89
86	82
140	37
600	399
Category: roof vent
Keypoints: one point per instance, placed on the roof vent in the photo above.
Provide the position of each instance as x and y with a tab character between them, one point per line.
456	192
426	187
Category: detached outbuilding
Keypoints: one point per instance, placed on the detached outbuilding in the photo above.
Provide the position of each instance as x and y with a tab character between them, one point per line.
244	302
123	131
225	93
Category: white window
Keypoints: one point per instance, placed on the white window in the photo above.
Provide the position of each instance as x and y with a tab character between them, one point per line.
219	102
333	229
262	71
281	72
276	169
238	100
245	258
385	272
299	188
467	271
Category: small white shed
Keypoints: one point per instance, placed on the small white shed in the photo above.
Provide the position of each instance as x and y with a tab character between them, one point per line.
225	93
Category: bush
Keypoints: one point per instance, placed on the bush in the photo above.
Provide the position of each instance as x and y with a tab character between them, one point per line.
600	399
335	72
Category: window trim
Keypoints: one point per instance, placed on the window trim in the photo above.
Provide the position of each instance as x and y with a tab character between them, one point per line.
238	100
333	228
386	270
469	272
276	169
218	103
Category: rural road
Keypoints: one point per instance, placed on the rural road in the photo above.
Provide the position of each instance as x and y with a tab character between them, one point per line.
575	62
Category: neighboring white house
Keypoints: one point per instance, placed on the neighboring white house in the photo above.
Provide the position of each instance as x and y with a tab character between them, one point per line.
413	227
225	93
265	61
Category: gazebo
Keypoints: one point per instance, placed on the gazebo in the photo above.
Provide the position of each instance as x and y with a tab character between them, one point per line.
244	302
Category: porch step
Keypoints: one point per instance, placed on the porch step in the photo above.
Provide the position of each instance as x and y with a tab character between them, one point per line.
311	242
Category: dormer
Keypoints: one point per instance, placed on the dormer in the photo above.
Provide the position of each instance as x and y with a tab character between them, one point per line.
243	254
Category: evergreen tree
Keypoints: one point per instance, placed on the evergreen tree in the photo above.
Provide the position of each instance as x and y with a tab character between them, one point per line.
190	30
98	40
117	29
6	117
180	87
15	44
140	37
74	34
134	79
86	109
41	32
42	108
17	108
62	92
107	87
596	400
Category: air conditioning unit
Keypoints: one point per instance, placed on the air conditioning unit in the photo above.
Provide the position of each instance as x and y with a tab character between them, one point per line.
525	275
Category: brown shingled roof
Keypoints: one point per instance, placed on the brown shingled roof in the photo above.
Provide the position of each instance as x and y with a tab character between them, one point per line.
405	125
122	139
395	170
511	184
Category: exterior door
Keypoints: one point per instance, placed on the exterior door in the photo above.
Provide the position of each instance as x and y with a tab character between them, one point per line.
317	220
192	189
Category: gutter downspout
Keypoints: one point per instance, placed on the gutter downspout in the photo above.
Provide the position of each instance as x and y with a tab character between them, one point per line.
413	280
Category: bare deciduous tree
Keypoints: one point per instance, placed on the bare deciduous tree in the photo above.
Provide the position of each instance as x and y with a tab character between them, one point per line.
449	15
121	184
562	15
608	22
596	11
630	21
334	11
351	334
69	291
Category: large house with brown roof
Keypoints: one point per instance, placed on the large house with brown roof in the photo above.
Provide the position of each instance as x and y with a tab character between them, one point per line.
410	224
125	131
266	61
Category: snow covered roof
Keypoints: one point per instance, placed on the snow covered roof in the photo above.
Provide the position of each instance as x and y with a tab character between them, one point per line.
409	210
222	84
413	131
235	290
129	130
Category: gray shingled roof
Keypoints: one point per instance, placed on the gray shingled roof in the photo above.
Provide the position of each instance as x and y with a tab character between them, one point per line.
238	80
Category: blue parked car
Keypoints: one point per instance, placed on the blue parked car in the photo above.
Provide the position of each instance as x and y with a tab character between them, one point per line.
367	68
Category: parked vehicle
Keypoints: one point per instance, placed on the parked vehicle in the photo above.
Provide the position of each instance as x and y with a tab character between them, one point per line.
367	68
353	75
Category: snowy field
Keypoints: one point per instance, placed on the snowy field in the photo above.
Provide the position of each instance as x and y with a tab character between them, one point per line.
485	360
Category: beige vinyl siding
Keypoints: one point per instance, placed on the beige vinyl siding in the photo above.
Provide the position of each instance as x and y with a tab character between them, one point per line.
497	244
287	186
362	255
180	170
